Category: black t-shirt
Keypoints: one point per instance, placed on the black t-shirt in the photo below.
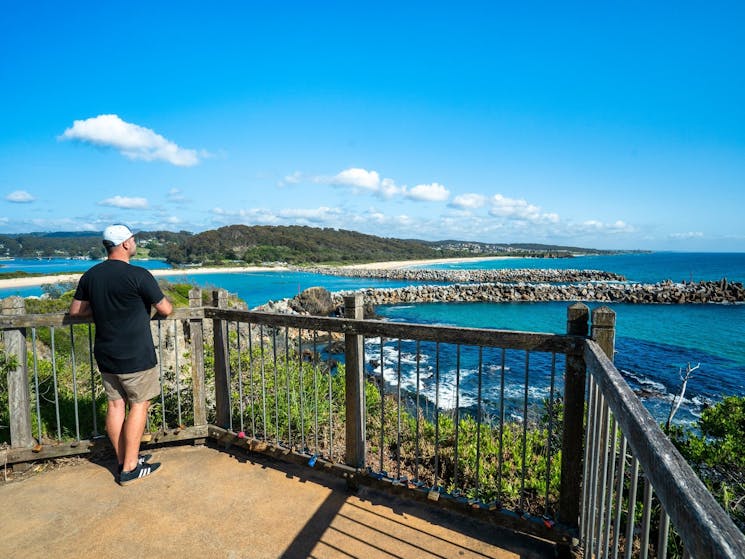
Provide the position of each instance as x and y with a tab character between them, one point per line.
120	296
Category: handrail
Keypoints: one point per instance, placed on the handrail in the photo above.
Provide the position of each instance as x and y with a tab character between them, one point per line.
509	339
702	524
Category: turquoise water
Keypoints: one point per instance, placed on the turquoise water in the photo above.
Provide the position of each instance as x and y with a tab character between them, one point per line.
653	341
642	267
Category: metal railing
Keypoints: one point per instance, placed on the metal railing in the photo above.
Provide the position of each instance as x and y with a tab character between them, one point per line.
492	421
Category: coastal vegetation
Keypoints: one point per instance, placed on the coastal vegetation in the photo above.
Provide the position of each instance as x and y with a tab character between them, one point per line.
298	245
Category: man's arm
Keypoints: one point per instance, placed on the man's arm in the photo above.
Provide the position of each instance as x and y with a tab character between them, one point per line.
164	307
80	309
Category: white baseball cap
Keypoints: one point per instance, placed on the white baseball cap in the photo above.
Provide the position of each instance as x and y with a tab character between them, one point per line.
116	234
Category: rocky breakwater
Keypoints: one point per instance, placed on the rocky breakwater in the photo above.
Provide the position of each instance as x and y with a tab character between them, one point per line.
658	293
543	275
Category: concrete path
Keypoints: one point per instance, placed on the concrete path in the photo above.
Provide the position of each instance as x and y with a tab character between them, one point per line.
209	503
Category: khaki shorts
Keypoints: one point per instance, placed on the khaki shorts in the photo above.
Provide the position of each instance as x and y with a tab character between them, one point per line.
132	387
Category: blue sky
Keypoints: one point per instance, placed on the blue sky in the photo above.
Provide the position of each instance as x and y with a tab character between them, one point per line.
584	124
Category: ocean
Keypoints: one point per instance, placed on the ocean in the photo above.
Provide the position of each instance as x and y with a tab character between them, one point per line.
653	342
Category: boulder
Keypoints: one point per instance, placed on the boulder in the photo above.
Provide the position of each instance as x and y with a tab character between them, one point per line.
315	301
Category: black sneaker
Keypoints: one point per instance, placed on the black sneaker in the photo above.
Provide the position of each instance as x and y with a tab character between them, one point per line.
141	459
141	471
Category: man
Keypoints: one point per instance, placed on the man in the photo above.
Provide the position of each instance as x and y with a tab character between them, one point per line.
119	297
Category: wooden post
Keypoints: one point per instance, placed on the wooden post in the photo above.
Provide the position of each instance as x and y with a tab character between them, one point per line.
196	331
570	493
222	373
604	330
19	399
355	385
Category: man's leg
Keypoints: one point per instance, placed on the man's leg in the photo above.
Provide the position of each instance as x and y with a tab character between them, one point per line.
134	427
115	414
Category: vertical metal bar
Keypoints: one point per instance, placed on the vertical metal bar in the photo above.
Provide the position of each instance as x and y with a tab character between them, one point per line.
664	533
331	407
418	411
56	391
276	386
457	416
646	519
263	380
437	415
398	413
550	430
602	471
315	387
36	384
177	374
589	442
525	434
479	405
241	403
303	447
382	404
609	490
251	387
593	468
74	383
501	429
93	381
288	369
619	495
162	387
630	515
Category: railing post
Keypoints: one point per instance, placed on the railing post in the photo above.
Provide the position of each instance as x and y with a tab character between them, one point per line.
570	493
355	382
222	376
19	399
604	330
196	332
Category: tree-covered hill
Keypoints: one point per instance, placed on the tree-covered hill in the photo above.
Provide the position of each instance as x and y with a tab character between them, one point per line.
263	244
294	245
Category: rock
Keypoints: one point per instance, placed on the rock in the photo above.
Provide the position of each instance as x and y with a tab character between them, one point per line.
314	301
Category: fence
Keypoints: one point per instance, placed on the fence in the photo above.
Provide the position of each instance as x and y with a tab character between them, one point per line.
491	421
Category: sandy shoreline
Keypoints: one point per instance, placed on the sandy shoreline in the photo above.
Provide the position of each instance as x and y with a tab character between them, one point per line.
69	278
407	263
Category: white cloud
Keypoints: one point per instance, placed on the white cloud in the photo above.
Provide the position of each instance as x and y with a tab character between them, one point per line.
294	178
469	201
520	210
20	197
125	202
434	192
253	216
132	141
317	215
595	226
176	196
360	178
389	189
386	188
686	236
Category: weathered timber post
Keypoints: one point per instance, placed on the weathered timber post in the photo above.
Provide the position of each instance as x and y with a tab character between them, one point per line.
196	332
19	399
222	363
354	383
570	493
604	330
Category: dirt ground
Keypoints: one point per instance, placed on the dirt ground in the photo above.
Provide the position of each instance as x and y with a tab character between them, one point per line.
207	502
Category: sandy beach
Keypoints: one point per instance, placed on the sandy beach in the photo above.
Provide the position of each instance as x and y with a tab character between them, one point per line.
408	263
70	278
